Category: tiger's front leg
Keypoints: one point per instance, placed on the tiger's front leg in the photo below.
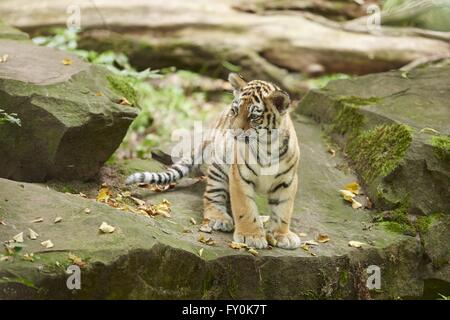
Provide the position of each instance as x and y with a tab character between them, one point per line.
248	227
281	202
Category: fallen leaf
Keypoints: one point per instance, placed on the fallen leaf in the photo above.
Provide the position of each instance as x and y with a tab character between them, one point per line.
77	260
355	244
4	58
312	253
356	204
205	228
3	223
186	230
99	94
106	228
311	243
332	152
5	258
302	234
200	252
138	201
67	62
192	220
87	210
33	234
123	101
81	194
58	219
305	247
103	194
209	241
271	239
18	237
47	244
323	238
28	257
347	195
253	251
429	130
37	220
237	245
353	187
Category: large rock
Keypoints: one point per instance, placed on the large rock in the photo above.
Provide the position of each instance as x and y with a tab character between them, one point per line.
394	127
70	119
150	258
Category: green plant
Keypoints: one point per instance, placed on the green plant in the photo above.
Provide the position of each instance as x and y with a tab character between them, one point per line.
9	118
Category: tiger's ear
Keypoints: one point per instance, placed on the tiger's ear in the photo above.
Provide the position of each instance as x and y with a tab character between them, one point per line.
280	100
236	81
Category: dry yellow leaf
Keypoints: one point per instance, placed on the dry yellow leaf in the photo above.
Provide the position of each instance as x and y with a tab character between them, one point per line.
429	130
200	252
332	152
77	260
99	94
205	228
103	194
323	238
123	101
18	237
347	195
237	245
353	187
305	247
47	244
87	210
33	234
356	244
192	220
311	243
67	61
37	220
4	58
356	204
302	234
253	251
28	257
58	219
106	228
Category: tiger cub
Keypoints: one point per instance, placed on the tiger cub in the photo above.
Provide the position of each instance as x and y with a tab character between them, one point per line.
263	131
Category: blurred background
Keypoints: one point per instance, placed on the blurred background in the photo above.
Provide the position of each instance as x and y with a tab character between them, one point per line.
177	53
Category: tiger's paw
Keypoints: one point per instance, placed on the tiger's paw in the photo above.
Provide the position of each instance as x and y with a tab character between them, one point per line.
287	240
222	224
255	241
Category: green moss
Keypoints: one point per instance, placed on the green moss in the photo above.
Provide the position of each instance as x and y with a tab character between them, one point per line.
343	278
353	101
121	85
377	152
348	121
441	146
398	227
423	223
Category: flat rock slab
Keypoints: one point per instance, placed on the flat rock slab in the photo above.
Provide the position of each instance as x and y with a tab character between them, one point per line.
71	121
417	103
7	32
38	65
150	258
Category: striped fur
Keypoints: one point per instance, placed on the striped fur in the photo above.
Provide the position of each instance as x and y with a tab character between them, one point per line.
259	108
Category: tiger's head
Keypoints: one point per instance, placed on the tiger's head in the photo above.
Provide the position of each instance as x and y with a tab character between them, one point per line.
257	104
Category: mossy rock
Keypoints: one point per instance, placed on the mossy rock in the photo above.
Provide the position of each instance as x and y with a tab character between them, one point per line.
154	258
394	128
71	121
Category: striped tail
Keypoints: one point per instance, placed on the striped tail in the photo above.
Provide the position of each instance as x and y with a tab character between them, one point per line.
172	174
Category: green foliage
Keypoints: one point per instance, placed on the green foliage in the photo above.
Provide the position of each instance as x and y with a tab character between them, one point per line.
116	62
9	118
